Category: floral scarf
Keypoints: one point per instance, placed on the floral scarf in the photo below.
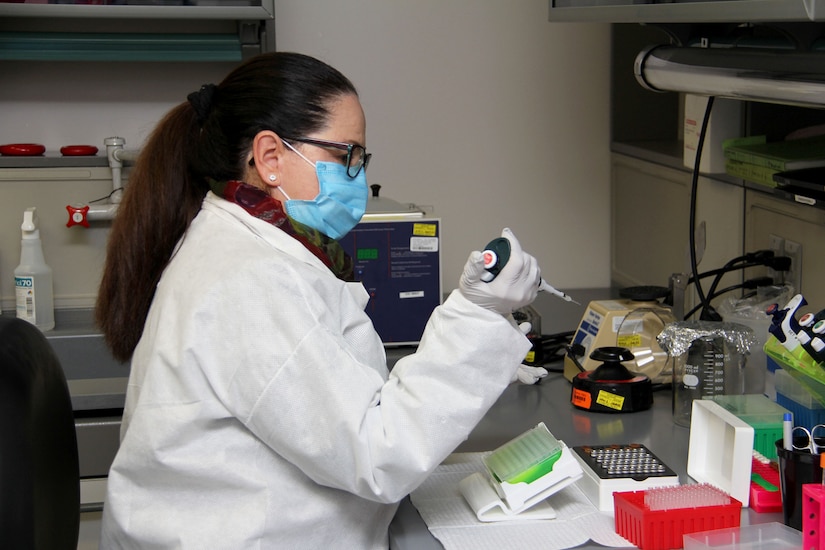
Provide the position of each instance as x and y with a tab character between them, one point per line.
260	205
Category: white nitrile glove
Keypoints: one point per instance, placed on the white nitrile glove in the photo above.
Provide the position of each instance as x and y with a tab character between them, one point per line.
528	375
525	373
515	286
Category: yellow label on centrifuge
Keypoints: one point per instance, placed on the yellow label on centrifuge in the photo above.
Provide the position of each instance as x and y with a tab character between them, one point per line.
629	341
424	229
610	400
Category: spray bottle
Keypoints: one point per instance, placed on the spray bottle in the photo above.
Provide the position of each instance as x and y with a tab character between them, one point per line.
33	278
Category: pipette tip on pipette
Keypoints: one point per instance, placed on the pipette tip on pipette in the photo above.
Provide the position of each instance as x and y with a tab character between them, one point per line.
545	286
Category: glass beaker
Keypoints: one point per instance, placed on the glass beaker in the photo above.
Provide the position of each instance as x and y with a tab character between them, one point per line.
697	374
709	359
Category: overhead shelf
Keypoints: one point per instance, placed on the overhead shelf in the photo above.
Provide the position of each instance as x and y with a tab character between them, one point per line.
59	46
687	11
142	9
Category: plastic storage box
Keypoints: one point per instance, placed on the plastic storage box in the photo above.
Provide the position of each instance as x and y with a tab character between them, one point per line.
653	527
765	536
765	495
760	412
720	449
800	365
813	519
791	394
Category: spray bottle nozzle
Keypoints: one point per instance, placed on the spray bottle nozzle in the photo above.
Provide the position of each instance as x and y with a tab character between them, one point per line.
29	219
29	225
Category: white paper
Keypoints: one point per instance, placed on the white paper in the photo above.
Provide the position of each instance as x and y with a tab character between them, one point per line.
451	520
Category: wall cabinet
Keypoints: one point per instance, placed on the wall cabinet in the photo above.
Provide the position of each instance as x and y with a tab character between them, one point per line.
650	222
766	215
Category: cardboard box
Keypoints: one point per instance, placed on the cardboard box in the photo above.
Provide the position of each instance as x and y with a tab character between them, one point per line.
725	123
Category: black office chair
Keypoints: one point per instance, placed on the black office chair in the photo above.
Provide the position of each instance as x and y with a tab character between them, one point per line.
39	474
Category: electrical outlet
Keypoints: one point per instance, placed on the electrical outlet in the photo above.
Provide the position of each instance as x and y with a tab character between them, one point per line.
777	244
793	276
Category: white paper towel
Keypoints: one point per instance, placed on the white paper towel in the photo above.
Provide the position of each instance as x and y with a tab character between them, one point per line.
451	520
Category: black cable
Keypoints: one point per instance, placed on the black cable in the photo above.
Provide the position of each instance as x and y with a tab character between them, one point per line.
574	351
757	259
750	284
693	191
760	257
778	263
722	270
554	346
750	257
107	197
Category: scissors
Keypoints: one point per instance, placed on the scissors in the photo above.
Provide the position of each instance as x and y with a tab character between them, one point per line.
811	445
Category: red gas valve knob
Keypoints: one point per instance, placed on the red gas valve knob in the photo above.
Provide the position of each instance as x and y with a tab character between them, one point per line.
78	215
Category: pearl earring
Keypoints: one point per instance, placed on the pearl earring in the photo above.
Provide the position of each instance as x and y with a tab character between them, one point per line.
272	177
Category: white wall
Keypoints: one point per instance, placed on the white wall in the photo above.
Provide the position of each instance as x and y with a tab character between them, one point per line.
484	110
481	109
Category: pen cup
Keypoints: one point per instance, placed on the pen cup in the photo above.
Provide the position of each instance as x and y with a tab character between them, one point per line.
796	468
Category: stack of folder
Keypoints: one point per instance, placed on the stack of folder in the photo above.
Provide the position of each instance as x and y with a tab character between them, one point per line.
756	160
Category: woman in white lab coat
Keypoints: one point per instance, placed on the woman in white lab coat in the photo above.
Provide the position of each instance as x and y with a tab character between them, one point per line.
260	412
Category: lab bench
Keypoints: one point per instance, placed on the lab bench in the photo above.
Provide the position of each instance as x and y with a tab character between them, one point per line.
98	383
97	387
522	407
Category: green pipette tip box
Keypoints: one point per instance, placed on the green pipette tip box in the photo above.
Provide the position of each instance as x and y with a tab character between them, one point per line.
526	458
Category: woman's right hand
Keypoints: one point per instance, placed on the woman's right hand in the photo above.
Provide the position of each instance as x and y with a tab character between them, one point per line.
516	285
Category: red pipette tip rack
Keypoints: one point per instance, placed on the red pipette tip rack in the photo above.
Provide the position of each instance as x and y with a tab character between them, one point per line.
656	519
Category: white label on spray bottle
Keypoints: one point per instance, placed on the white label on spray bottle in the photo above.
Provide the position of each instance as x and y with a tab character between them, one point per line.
24	292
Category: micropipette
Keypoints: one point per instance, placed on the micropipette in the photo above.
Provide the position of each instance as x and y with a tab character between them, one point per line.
496	254
545	286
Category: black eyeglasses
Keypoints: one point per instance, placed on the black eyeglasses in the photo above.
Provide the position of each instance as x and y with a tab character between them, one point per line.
357	156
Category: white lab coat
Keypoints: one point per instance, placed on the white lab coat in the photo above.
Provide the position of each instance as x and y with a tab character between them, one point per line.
260	412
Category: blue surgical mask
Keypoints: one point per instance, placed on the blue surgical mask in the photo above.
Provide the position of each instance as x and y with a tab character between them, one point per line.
340	203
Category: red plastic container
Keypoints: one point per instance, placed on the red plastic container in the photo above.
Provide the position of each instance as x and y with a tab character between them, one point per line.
663	529
813	519
765	496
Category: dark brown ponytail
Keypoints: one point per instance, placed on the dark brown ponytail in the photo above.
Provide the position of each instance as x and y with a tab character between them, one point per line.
207	136
158	204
